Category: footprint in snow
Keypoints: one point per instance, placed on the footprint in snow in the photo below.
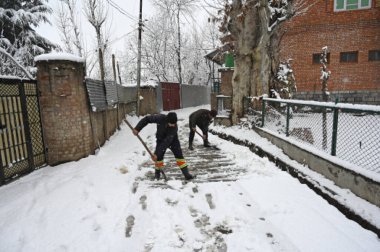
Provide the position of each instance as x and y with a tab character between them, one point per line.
181	236
202	222
130	223
193	211
195	189
209	201
143	201
171	202
134	186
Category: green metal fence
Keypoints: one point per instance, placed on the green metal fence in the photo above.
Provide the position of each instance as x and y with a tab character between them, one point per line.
350	132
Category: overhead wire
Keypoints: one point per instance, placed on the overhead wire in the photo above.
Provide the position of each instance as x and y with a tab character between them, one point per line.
122	11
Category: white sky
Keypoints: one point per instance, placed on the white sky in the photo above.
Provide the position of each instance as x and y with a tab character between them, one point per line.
84	205
120	24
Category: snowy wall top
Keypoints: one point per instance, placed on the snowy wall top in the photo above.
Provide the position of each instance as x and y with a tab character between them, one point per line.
148	83
59	56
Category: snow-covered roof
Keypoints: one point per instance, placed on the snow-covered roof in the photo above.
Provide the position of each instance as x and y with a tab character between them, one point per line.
59	56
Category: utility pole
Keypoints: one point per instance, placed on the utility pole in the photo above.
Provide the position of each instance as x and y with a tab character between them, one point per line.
179	58
139	62
117	91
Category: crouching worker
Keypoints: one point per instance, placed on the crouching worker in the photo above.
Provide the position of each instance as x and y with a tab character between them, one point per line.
166	137
201	118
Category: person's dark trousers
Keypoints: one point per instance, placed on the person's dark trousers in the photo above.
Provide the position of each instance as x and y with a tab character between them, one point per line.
191	138
175	147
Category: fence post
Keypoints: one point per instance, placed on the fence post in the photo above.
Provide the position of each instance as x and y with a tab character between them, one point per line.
263	113
287	118
25	117
2	178
334	132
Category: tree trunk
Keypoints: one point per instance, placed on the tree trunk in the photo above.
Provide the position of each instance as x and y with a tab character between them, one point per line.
255	48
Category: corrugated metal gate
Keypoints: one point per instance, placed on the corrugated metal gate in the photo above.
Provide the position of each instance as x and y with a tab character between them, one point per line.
21	142
170	96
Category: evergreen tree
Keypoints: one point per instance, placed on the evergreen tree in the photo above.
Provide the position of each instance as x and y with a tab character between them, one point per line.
17	34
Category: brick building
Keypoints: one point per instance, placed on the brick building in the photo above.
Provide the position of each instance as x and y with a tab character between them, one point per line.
351	30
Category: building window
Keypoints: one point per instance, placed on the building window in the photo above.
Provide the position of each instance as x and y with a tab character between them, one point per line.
349	56
317	58
374	55
216	87
344	5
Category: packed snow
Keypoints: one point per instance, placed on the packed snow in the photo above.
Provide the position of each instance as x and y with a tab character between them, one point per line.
108	202
59	56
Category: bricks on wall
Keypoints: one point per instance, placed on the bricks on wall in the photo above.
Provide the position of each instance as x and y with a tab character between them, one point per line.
64	110
344	31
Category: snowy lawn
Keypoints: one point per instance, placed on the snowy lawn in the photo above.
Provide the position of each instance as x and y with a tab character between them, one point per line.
99	204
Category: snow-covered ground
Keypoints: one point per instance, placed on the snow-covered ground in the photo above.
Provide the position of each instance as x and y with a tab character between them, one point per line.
106	202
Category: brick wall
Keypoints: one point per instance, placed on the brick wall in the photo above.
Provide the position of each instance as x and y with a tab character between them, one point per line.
357	96
345	31
71	129
226	81
64	111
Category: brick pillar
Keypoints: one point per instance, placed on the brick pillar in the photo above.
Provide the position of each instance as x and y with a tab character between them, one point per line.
64	108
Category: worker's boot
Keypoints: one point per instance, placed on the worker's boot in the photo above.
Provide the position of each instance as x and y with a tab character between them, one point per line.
185	172
206	143
157	174
191	146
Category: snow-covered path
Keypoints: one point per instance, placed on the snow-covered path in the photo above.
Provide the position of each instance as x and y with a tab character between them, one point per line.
108	202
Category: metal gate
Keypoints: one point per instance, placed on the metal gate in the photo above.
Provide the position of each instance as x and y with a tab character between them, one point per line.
21	142
170	96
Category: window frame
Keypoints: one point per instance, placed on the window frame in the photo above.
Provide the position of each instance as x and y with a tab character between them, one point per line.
360	7
357	57
373	51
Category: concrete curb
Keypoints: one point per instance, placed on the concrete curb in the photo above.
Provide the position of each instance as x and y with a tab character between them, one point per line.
324	192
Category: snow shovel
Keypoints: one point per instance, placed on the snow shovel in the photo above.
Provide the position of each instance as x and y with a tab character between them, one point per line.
212	146
146	147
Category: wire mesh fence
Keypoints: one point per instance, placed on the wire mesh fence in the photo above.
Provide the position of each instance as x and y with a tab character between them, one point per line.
350	132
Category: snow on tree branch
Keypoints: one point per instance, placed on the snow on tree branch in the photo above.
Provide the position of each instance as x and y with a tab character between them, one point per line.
8	56
325	74
278	12
285	84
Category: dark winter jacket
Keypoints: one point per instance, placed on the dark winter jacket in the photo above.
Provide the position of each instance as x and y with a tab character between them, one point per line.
164	133
201	119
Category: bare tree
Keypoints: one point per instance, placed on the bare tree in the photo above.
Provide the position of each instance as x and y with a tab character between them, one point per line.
96	13
158	45
176	8
159	51
68	24
196	71
325	75
254	28
64	27
212	42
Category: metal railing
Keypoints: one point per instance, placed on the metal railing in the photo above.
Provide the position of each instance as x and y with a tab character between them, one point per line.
350	132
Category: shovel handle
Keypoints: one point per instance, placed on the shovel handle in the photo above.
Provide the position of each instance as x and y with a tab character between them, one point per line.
142	141
146	147
196	131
